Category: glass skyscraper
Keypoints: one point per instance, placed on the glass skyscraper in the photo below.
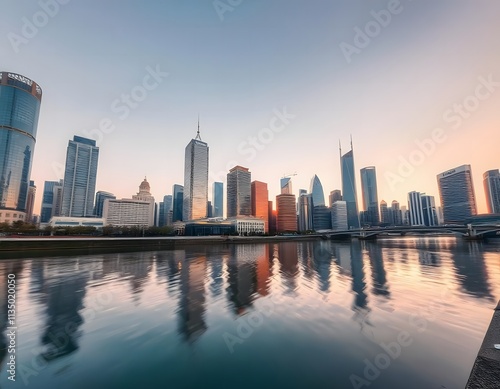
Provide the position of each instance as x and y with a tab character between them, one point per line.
349	188
260	202
456	190
218	199
178	200
100	197
370	195
195	179
20	100
50	202
80	177
491	181
317	193
239	192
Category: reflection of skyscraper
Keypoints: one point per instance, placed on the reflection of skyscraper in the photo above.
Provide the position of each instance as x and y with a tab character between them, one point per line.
380	286
192	301
242	277
491	181
349	188
239	192
218	199
457	194
322	259
370	195
195	179
260	202
289	265
20	100
263	271
178	196
80	176
358	277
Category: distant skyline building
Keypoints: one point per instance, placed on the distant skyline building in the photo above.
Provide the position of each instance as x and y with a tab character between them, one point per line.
349	194
415	208
286	213
47	200
260	202
195	179
30	203
164	210
429	210
339	216
239	192
100	196
317	193
322	218
335	195
272	216
385	215
491	182
456	190
20	100
178	202
286	185
80	175
397	216
128	213
218	199
370	195
305	217
144	194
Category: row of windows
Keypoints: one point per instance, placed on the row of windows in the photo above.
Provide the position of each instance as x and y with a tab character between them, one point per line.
14	215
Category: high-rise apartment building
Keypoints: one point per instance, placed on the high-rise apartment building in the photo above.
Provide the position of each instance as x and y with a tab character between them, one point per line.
218	199
20	100
349	193
195	179
491	182
260	202
239	192
80	176
456	190
370	195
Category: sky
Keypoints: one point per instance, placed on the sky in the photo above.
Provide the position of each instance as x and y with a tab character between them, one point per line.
276	84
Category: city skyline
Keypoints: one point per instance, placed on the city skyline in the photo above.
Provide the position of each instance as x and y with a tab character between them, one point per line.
401	82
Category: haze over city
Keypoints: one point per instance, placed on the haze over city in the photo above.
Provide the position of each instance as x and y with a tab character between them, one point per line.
428	65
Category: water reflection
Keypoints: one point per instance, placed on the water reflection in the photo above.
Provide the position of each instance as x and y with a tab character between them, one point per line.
379	275
242	277
289	265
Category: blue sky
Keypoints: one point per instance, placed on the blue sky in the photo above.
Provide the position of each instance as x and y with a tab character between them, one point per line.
240	69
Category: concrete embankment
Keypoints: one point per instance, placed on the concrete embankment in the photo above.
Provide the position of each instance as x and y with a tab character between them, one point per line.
32	247
486	371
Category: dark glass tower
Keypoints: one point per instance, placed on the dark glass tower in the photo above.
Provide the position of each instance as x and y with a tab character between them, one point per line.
100	197
218	199
370	195
20	100
349	188
239	192
177	197
491	181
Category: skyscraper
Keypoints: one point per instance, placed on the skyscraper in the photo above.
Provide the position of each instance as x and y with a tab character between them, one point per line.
218	199
429	211
260	202
195	179
178	202
80	177
397	216
415	208
30	203
349	187
20	100
286	213
239	192
47	201
491	181
100	196
370	196
335	195
456	191
305	222
385	215
286	185
317	193
339	216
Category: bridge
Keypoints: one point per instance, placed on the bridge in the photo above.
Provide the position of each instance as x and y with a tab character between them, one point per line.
467	232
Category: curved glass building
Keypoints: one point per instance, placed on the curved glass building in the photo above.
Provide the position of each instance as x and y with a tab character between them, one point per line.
20	100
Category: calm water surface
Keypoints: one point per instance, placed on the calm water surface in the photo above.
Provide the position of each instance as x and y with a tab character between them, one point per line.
397	313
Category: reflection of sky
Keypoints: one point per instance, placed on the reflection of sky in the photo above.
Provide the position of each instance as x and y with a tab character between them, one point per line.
156	319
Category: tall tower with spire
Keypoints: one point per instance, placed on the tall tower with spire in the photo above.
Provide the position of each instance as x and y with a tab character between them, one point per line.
349	194
195	179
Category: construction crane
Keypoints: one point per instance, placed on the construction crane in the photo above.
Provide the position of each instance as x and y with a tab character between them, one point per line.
289	175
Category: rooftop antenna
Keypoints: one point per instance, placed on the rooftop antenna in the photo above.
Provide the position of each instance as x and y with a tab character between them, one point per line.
198	136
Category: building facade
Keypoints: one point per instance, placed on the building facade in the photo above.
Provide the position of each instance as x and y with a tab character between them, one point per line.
339	216
305	218
195	179
286	213
415	208
80	176
335	195
144	194
100	196
20	100
429	211
491	182
456	190
218	199
370	195
239	192
127	213
260	202
349	194
178	202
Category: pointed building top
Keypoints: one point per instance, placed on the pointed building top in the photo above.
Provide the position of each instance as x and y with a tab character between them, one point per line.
351	141
198	136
